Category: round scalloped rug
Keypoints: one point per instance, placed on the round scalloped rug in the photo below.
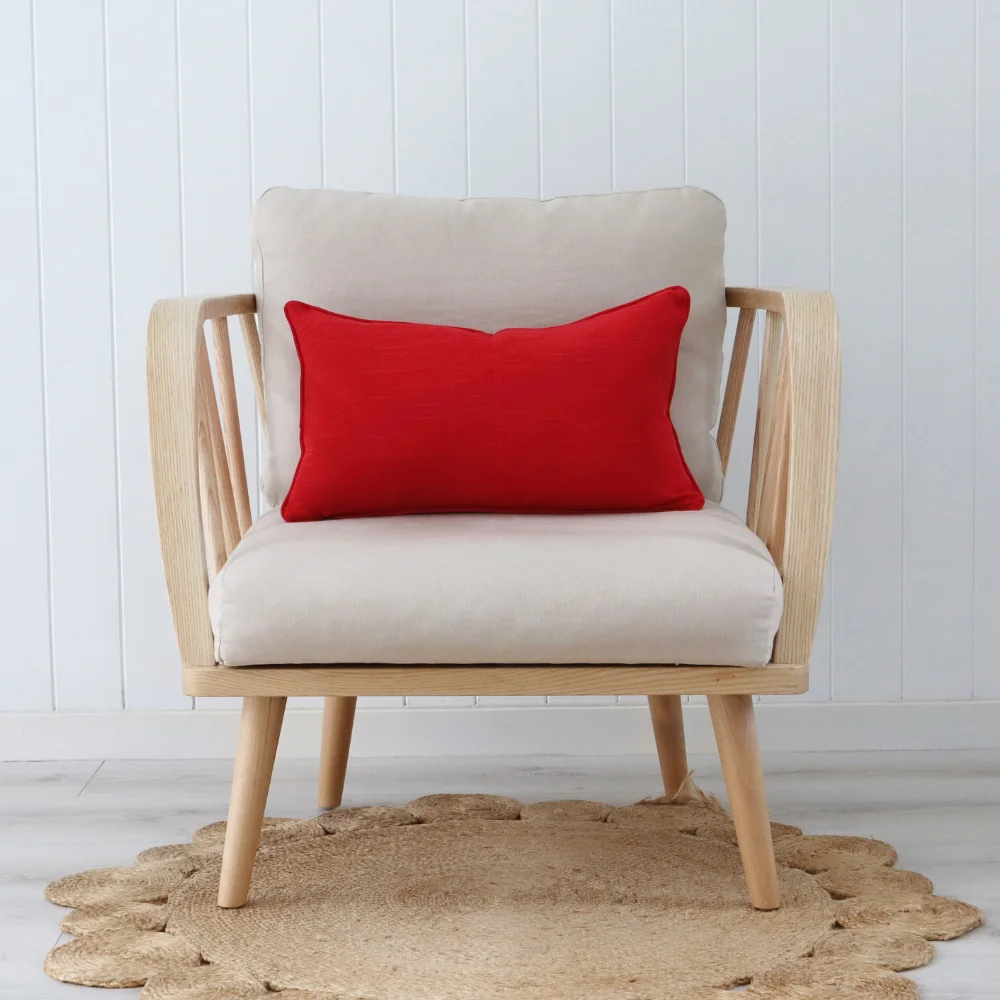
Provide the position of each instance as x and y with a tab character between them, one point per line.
474	897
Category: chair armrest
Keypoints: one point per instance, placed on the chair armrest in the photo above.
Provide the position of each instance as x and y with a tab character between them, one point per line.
794	466
193	475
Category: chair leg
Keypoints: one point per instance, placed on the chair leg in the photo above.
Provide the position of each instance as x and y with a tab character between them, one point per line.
668	728
338	722
736	735
260	727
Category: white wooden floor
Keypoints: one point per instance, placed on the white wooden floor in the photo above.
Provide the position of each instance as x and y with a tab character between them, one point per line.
940	810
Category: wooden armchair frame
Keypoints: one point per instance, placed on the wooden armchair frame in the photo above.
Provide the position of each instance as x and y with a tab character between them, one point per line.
203	507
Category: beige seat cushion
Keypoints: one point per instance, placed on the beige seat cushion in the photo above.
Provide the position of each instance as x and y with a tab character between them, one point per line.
490	263
680	587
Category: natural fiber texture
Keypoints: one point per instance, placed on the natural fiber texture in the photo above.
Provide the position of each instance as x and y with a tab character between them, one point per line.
364	818
432	808
933	917
206	982
119	958
115	916
475	897
274	831
565	810
831	978
895	949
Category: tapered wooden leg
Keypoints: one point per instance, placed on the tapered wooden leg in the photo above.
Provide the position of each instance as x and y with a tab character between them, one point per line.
338	722
668	728
260	727
736	735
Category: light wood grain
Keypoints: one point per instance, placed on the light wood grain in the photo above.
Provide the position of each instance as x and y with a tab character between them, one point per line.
799	519
736	735
223	482
260	727
251	342
338	723
487	679
767	407
668	730
230	415
734	384
175	331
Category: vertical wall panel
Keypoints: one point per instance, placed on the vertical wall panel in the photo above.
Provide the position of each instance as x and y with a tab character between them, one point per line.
939	348
429	52
215	146
794	131
357	94
146	241
24	596
285	92
215	178
79	357
648	91
503	98
575	71
721	88
987	550
867	247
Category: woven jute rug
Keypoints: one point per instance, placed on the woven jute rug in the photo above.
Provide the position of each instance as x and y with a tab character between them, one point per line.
475	897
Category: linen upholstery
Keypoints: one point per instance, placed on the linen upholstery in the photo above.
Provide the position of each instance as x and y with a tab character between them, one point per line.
489	264
692	587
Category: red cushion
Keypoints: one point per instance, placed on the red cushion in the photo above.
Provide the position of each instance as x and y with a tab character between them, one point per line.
408	418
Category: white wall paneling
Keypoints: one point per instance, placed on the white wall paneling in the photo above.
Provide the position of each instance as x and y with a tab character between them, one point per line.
866	172
79	354
502	61
854	144
647	90
432	156
939	268
987	360
24	610
144	166
358	99
574	43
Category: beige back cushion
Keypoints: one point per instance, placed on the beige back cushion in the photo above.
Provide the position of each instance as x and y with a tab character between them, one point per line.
490	263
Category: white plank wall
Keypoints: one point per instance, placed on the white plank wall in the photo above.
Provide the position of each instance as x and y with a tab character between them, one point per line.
856	145
80	353
939	247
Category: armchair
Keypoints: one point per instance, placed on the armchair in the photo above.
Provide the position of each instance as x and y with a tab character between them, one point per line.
204	510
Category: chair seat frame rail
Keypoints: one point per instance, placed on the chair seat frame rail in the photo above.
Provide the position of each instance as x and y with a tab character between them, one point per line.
203	510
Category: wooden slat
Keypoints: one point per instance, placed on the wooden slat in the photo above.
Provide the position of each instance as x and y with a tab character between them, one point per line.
773	492
488	679
771	299
734	384
813	340
223	481
230	414
208	491
251	341
770	363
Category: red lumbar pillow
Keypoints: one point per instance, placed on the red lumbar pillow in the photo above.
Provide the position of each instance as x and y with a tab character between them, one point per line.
408	418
